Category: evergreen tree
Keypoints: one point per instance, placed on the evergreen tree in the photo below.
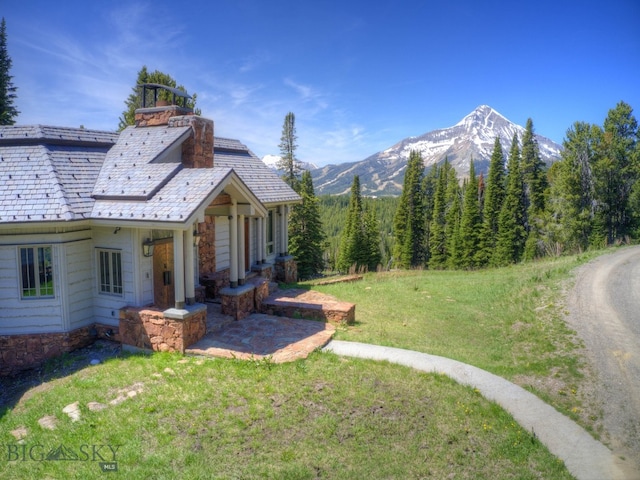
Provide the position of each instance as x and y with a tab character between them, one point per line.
470	222
429	184
409	221
437	234
572	202
359	243
493	199
306	235
616	172
134	101
8	111
372	237
453	217
535	185
511	232
288	162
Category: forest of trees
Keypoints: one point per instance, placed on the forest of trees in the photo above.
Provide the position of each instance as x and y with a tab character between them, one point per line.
521	211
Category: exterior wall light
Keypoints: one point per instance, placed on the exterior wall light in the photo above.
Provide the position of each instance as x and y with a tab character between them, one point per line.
147	248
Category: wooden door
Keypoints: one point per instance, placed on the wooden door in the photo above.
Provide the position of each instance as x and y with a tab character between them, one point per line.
164	295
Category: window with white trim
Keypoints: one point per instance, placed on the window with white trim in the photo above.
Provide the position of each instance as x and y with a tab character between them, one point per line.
110	271
270	234
36	272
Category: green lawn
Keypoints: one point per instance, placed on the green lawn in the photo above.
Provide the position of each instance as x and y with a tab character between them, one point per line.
329	417
324	417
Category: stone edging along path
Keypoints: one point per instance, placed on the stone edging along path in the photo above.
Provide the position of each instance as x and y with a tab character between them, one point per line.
584	457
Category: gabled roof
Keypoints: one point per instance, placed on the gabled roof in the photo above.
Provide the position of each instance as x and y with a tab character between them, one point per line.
262	180
65	174
48	173
139	164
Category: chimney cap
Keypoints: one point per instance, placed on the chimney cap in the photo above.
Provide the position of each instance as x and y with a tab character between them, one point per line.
156	86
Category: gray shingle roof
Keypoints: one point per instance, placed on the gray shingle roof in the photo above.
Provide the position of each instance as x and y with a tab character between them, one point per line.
175	202
262	180
47	173
137	166
63	174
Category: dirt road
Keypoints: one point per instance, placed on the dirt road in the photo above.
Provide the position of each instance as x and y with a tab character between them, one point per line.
604	308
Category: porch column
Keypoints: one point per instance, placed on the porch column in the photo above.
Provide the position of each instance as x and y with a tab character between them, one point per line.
286	229
259	241
265	220
189	267
178	256
283	231
233	244
241	258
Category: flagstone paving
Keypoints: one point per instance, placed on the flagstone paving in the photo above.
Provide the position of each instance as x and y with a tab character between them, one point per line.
260	336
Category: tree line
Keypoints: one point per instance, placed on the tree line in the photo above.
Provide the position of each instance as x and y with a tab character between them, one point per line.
522	210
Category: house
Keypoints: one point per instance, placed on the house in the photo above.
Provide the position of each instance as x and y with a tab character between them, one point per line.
125	235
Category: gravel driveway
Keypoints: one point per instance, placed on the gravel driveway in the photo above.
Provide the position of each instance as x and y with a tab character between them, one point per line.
604	309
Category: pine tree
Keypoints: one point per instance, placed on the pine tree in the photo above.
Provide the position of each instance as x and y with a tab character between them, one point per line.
288	162
429	184
360	242
306	235
511	230
437	234
535	185
372	237
470	222
616	172
409	221
134	101
8	111
453	217
572	202
493	199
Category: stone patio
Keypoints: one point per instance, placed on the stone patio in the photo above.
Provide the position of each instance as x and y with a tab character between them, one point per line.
260	336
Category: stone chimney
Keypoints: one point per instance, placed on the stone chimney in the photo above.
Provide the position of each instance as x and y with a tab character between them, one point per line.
197	150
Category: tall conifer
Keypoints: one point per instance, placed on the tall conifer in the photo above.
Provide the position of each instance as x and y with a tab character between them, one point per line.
8	111
511	231
493	199
470	222
409	221
306	235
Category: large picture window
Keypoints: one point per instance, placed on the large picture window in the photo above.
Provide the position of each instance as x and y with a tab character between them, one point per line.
110	266
36	272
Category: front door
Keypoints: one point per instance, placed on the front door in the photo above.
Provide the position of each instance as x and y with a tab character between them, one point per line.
164	295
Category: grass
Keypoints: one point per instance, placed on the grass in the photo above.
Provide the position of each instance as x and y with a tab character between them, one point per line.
508	321
324	417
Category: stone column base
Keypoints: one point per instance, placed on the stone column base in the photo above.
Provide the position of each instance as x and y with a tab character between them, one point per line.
238	302
286	269
171	330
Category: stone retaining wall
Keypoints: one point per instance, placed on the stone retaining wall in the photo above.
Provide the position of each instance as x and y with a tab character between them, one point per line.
22	352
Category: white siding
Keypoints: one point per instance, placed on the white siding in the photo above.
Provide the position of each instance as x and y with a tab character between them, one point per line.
79	284
37	315
222	243
106	307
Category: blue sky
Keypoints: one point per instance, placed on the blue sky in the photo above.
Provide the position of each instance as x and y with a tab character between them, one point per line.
359	76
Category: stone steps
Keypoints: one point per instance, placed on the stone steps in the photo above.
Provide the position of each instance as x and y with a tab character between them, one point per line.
309	304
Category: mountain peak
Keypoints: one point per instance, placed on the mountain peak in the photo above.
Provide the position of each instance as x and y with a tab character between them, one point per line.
471	138
483	115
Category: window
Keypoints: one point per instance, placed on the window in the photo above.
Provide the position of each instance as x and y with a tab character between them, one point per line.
110	271
36	272
270	233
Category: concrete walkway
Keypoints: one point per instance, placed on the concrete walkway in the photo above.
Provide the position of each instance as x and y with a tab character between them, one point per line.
584	457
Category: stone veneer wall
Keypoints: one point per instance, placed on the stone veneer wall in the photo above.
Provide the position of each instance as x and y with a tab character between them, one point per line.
214	282
155	116
197	150
152	330
21	352
286	269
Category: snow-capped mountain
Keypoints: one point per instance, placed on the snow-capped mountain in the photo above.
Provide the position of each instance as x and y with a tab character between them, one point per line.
272	162
471	138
